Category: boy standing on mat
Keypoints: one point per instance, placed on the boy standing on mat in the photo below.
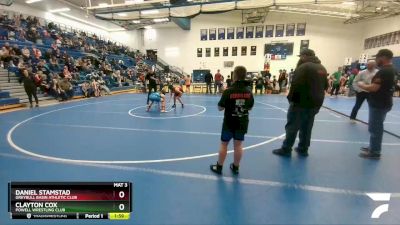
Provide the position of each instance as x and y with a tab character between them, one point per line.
237	101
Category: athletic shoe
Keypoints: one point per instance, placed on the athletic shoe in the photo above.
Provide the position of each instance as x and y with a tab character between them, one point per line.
173	106
182	105
303	153
30	106
282	152
37	105
365	149
353	121
163	111
216	168
370	155
234	169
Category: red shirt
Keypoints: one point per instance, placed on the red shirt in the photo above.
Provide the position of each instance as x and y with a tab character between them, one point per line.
218	77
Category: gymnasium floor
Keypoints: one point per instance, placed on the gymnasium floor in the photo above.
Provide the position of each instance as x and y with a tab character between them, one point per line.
167	158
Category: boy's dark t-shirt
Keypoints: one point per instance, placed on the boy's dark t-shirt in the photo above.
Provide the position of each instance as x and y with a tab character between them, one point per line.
383	98
237	101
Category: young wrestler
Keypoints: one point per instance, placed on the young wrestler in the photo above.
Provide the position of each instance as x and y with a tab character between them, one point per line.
177	92
237	101
157	97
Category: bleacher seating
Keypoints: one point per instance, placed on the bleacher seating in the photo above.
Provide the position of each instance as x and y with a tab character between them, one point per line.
5	99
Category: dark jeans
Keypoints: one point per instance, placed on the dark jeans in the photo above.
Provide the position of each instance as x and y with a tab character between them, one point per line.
375	127
299	119
335	88
65	95
208	89
31	91
217	85
151	87
360	98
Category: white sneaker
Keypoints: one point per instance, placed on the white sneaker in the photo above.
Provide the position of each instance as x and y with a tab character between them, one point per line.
353	121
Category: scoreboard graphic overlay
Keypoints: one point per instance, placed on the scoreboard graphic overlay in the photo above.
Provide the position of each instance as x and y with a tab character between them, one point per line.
70	200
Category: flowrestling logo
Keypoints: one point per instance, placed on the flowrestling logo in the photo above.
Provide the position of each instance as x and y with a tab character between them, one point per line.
380	197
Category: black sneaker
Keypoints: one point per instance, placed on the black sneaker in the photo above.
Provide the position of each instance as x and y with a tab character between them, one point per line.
370	155
37	105
182	106
364	149
216	168
234	169
173	106
282	152
301	152
31	106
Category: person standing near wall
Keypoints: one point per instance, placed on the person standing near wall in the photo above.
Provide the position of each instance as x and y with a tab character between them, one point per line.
29	85
217	82
380	101
361	95
336	76
305	97
208	78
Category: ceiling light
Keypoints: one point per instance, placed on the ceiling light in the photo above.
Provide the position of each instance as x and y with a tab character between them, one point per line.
122	14
59	10
90	23
136	21
32	1
147	12
103	4
160	20
133	1
148	27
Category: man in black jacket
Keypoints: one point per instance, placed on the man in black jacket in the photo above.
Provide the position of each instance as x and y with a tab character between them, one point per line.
208	78
306	96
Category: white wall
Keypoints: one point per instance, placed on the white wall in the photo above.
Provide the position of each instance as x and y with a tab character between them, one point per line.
379	27
330	38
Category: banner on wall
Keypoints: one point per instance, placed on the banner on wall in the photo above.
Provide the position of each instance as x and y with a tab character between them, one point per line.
269	31
347	61
304	44
363	58
279	30
239	32
199	52
216	52
203	34
234	51
253	50
250	32
244	51
301	29
213	34
208	52
230	33
290	29
225	51
259	31
221	33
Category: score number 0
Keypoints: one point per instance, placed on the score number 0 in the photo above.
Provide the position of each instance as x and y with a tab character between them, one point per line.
121	195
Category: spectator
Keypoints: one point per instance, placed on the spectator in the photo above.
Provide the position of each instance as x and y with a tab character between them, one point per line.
336	76
380	101
29	85
26	54
217	82
305	97
208	78
66	90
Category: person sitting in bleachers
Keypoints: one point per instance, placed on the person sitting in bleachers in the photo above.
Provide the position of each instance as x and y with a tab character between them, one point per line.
26	54
54	64
66	89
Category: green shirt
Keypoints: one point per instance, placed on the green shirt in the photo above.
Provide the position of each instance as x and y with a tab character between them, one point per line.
336	77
